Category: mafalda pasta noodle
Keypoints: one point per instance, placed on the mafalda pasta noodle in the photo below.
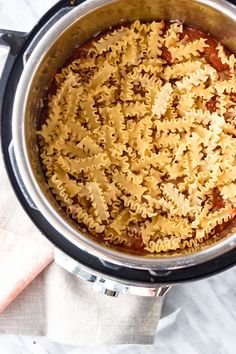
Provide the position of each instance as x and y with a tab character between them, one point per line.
139	142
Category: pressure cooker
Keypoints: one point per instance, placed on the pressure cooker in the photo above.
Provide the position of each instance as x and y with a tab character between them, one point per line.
32	59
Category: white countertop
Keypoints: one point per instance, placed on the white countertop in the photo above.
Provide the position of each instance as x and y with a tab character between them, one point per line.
202	315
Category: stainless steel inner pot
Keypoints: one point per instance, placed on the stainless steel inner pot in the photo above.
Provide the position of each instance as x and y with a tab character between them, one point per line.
214	16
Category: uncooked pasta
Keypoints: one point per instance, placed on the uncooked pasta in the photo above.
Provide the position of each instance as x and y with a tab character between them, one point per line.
139	142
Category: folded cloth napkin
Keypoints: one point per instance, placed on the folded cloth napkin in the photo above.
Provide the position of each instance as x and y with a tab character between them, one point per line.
21	260
24	253
57	304
67	310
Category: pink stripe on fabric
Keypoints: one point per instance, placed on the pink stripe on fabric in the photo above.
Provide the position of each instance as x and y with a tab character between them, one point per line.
21	260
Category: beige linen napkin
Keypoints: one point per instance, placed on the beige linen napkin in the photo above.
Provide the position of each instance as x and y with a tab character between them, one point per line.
21	260
24	253
66	309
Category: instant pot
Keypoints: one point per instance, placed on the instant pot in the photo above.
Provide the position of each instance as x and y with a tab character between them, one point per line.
32	61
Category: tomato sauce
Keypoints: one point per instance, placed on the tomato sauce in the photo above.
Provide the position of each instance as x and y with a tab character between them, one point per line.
166	55
210	52
211	104
218	201
233	97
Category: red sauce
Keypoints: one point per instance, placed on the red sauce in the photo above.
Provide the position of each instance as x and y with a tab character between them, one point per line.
233	97
166	55
211	52
218	201
138	243
211	104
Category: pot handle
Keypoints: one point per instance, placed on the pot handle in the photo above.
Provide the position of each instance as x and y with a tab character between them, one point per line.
11	43
104	285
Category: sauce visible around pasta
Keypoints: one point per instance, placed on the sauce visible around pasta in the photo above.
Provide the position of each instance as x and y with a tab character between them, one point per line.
138	138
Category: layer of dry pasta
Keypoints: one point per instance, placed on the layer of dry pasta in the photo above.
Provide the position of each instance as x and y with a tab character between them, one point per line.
139	140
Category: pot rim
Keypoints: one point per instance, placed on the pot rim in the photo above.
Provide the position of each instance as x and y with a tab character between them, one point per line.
84	242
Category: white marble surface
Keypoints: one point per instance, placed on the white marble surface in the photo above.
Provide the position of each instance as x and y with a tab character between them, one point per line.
202	315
